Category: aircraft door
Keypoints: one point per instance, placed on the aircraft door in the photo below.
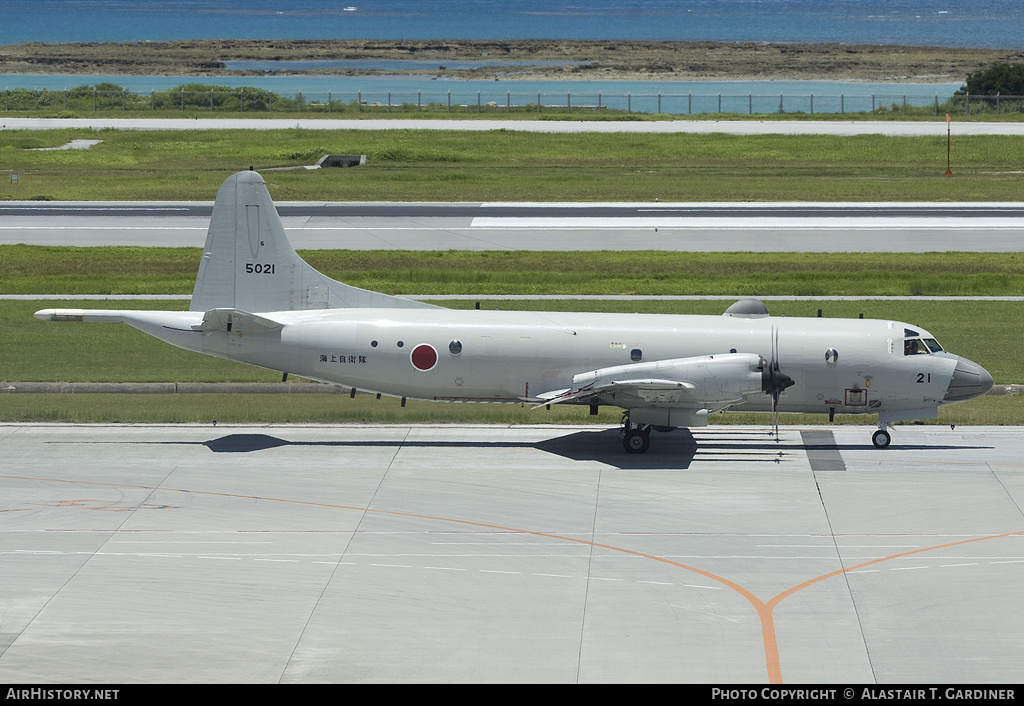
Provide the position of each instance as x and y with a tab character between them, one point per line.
509	361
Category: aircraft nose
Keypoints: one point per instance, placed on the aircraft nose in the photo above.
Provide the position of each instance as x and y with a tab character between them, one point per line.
969	380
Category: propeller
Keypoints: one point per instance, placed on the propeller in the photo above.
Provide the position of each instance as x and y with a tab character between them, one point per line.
774	381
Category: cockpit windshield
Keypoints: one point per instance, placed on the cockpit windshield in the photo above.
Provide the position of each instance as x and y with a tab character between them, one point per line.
921	346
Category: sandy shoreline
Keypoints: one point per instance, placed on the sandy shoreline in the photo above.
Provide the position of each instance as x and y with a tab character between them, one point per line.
583	60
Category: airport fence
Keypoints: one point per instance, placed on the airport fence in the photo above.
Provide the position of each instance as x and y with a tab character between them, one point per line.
253	100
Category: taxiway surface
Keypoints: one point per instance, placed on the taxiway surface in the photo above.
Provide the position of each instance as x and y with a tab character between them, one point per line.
478	553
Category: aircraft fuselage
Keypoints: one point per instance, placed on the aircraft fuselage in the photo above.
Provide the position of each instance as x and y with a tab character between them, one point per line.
849	366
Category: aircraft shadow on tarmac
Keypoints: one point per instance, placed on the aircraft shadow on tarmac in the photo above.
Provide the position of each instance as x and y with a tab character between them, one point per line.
677	450
602	445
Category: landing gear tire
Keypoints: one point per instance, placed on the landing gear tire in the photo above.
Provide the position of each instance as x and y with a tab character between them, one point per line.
881	438
636	441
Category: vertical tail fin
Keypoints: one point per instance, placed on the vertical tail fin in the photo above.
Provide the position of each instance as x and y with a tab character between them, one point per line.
249	264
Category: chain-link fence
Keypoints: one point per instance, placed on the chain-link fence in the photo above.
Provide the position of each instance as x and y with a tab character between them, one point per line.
253	100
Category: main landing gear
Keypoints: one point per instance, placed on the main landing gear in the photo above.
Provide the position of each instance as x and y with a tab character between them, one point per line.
881	438
636	438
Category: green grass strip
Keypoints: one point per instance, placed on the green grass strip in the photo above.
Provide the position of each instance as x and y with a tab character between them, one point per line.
477	166
26	269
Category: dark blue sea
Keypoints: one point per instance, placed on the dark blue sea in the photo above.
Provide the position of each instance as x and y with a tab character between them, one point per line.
953	23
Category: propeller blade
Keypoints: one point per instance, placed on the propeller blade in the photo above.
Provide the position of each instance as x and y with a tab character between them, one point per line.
774	381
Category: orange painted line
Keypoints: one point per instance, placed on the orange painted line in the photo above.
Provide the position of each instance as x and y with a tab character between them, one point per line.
764	609
810	582
772	656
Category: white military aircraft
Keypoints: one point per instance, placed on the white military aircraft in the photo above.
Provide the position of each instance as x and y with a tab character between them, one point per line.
257	302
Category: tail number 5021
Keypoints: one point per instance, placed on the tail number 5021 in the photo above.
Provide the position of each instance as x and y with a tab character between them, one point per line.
258	269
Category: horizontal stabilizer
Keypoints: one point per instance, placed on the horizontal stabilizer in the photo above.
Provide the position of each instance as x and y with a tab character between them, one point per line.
79	315
176	327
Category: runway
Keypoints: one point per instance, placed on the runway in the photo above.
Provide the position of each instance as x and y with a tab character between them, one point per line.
696	227
138	554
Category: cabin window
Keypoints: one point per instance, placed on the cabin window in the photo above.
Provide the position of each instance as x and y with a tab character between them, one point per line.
635	355
455	347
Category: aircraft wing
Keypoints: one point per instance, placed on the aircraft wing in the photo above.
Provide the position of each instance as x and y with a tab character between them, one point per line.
712	382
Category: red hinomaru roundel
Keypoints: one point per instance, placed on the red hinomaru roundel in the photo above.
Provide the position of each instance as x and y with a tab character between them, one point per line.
423	357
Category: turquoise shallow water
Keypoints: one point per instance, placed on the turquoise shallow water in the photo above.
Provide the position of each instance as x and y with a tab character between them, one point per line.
679	97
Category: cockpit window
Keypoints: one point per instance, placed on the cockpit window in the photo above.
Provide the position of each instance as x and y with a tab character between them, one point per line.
914	346
921	346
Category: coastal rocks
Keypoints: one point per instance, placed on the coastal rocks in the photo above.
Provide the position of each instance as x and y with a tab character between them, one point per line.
619	60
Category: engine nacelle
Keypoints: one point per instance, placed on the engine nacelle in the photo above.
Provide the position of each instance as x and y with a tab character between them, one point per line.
710	381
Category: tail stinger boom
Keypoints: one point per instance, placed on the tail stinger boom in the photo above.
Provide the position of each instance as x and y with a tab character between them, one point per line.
248	263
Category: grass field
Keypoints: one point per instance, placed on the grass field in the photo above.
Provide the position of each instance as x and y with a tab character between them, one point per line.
28	269
514	166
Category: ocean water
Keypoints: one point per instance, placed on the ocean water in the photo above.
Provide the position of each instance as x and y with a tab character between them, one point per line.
952	23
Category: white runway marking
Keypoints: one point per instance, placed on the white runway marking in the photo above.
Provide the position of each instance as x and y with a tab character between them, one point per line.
741	222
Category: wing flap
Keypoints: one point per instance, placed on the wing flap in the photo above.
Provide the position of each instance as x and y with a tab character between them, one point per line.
652	390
